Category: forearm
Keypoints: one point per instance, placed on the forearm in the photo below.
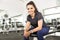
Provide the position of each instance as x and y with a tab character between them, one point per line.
36	29
26	28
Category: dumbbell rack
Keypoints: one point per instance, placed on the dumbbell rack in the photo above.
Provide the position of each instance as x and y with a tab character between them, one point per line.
7	27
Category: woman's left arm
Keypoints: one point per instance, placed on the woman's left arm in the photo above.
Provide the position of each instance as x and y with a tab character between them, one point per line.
40	23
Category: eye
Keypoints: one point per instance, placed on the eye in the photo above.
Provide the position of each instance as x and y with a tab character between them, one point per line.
27	8
31	8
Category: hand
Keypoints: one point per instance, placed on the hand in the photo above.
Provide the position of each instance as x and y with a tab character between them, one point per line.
26	33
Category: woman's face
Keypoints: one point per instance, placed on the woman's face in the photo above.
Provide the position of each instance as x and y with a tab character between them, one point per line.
30	9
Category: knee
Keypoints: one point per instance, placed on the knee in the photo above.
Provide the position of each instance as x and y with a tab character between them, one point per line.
39	33
25	34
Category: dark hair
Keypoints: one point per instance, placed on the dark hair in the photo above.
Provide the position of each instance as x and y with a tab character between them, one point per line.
32	3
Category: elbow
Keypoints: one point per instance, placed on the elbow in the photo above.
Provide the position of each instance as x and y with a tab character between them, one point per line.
39	28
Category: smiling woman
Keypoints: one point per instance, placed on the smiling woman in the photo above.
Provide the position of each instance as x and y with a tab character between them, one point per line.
36	21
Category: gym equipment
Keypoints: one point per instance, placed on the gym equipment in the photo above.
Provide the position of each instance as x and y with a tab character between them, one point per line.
58	22
52	38
18	24
9	25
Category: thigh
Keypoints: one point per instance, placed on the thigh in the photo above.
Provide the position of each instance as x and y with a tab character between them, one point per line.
43	31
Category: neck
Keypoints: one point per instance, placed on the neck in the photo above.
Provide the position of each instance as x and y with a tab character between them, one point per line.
33	15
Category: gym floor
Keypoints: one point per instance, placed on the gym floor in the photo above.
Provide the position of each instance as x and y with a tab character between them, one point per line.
11	36
18	36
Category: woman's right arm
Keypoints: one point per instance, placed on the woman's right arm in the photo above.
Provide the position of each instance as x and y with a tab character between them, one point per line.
27	27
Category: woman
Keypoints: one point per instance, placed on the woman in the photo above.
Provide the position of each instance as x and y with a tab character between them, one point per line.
35	23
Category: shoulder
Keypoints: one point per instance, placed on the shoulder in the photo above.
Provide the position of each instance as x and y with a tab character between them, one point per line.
28	16
39	14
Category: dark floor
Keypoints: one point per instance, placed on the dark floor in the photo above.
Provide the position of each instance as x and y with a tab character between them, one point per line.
18	36
11	36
